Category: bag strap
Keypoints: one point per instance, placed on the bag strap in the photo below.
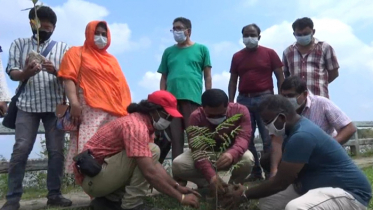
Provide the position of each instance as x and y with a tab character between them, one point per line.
78	80
45	52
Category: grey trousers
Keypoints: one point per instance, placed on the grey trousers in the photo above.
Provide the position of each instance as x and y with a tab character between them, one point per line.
27	125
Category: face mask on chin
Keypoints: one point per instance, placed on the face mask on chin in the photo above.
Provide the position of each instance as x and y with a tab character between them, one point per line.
272	130
216	121
43	35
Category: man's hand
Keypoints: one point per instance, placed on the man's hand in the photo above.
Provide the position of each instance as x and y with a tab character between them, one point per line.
49	67
233	199
217	183
190	200
31	68
224	161
3	108
187	190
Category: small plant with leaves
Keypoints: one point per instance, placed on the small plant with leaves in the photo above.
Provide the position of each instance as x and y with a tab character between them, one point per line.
204	146
35	25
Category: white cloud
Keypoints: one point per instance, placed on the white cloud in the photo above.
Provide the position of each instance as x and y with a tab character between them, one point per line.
225	48
150	81
72	18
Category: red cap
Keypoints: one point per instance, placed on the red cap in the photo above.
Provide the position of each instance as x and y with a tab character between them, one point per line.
166	100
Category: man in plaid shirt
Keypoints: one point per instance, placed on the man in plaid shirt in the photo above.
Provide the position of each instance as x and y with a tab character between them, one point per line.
310	59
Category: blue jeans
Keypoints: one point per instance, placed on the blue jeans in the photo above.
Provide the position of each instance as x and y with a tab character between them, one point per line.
27	125
253	104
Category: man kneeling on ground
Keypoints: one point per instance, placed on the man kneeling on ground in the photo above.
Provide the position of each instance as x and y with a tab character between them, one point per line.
120	160
315	171
214	111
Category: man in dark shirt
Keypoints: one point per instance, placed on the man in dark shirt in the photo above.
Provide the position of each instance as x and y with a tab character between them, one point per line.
254	66
214	111
315	171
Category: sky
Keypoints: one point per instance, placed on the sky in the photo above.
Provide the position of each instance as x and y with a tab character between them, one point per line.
141	31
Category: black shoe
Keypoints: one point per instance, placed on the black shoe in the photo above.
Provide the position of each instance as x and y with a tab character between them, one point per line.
143	207
58	200
103	203
10	206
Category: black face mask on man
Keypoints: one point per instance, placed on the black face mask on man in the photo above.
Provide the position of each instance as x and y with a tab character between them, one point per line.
43	35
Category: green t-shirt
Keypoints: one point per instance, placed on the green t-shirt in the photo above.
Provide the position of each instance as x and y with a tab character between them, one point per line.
184	69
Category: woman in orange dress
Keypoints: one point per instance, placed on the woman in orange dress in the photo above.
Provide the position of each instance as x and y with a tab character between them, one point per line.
94	85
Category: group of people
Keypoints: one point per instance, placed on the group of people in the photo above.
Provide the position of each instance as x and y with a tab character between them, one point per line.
113	154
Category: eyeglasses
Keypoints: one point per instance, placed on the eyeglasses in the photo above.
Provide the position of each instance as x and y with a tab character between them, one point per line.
178	29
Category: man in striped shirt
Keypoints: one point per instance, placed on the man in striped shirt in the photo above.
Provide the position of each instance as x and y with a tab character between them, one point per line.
37	102
320	110
311	59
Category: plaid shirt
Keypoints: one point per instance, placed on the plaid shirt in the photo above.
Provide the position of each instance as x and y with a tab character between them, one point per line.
324	113
313	67
131	133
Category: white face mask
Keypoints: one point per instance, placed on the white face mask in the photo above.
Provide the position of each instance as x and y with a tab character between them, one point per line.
179	36
304	40
250	42
273	130
161	124
100	41
216	121
294	102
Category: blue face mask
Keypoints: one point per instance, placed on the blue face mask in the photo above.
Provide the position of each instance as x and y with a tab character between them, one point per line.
179	36
304	40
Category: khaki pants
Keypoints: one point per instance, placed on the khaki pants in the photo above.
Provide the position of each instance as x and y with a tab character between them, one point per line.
120	178
183	167
326	198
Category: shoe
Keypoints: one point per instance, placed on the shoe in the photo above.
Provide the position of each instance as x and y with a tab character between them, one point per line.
59	200
143	207
103	203
10	206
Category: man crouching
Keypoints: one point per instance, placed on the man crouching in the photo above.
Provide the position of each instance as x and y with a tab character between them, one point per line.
216	110
120	160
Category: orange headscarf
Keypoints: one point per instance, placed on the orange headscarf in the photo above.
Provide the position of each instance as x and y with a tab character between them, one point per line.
101	77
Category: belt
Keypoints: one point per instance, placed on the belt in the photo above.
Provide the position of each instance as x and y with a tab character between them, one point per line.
252	95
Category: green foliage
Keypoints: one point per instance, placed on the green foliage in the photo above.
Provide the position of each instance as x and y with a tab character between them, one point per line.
203	144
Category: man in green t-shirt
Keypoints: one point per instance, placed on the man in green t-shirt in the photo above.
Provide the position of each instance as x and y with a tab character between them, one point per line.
183	67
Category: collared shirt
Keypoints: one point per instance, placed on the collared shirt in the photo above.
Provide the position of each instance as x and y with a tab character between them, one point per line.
4	91
313	66
131	133
43	91
238	146
324	113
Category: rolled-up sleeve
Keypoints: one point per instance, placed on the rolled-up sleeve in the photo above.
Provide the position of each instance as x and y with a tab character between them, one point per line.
203	164
14	60
242	140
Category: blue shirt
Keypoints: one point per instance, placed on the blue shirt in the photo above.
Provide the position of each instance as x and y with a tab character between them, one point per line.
326	162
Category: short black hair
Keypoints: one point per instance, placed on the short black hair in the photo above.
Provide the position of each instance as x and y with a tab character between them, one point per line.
278	104
144	107
185	21
302	23
214	98
102	25
44	14
253	25
296	83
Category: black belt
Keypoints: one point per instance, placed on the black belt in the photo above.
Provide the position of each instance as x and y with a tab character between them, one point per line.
252	95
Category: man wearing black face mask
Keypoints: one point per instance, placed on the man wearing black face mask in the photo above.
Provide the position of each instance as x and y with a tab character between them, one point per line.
40	93
215	110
